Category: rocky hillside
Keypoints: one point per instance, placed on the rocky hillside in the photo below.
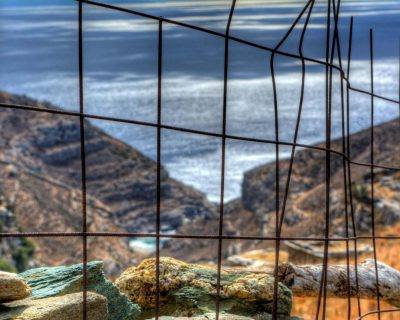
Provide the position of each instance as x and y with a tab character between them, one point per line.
40	183
305	210
40	180
254	213
118	175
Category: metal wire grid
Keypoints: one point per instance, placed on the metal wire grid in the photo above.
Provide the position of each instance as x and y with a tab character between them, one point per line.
332	46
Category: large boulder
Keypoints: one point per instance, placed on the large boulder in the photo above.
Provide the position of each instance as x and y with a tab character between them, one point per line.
12	287
191	290
56	281
68	307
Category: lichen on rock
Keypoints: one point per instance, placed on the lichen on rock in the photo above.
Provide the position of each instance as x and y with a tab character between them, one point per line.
190	289
56	281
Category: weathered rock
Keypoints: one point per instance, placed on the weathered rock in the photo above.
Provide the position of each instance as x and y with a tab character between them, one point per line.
222	316
208	316
191	290
12	287
56	281
67	307
304	281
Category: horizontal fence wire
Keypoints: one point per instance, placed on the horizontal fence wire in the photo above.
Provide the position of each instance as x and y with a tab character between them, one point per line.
184	236
332	47
197	132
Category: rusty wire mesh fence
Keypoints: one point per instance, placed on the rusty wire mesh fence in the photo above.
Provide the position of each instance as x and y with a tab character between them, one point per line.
334	62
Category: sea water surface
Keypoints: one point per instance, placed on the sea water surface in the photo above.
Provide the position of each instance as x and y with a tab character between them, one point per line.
39	58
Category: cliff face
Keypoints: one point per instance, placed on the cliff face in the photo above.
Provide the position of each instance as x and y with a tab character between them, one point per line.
118	175
40	177
305	210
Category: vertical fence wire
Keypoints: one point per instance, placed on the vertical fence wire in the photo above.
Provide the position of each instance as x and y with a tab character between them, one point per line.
336	10
371	52
348	167
323	281
279	216
83	157
223	147
298	118
158	208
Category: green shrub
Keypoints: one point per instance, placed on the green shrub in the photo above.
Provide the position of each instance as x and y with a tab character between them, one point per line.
361	193
6	266
23	254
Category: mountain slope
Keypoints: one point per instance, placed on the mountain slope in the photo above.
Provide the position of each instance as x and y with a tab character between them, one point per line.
117	174
305	210
41	179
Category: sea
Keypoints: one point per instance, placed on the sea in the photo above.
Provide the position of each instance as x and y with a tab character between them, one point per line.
39	58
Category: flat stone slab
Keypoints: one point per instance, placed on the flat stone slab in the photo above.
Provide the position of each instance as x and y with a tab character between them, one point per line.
67	307
12	287
56	281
